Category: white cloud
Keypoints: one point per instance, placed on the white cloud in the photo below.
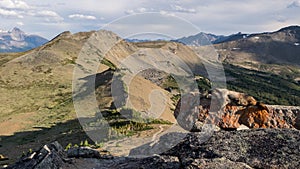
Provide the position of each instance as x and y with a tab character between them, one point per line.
14	4
20	23
218	17
141	10
165	13
138	10
49	16
178	8
129	12
81	16
10	13
163	9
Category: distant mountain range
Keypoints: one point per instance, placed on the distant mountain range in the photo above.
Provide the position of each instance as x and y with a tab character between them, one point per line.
208	38
279	47
16	40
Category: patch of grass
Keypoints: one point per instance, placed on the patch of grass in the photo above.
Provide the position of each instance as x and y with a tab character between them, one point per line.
69	61
175	98
108	63
125	123
158	121
204	84
98	145
6	57
68	146
151	44
170	83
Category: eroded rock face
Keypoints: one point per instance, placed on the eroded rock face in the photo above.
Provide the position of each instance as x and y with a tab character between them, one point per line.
229	110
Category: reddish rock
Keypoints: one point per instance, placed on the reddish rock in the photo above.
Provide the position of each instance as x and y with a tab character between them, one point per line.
229	117
229	109
229	121
233	106
254	116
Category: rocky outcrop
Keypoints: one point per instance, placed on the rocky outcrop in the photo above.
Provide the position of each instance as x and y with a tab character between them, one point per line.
84	152
257	148
50	156
284	116
229	110
87	152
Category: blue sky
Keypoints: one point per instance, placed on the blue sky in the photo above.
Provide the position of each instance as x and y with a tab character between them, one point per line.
51	17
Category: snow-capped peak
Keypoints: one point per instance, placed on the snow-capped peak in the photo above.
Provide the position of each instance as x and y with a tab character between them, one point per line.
16	40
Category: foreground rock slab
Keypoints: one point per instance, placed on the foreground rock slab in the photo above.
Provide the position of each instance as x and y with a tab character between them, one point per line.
257	148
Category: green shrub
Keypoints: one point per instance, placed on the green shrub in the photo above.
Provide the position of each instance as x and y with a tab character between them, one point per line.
68	146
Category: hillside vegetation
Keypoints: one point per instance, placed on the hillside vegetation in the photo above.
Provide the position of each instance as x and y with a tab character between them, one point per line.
267	87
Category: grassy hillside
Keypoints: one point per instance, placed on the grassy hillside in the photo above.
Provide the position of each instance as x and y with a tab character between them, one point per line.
267	87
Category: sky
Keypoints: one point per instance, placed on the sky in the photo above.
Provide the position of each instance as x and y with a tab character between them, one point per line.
48	18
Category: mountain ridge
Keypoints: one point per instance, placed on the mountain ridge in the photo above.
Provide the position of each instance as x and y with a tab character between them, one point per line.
210	38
